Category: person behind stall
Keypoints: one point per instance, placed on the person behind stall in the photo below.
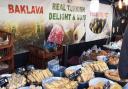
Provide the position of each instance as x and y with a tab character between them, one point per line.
123	60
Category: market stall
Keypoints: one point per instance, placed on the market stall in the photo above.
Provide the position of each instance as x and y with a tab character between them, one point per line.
98	69
69	43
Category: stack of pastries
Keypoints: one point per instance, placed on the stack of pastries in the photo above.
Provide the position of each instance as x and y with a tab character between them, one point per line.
112	74
16	81
38	75
35	87
101	85
86	74
103	52
62	83
113	60
94	54
97	66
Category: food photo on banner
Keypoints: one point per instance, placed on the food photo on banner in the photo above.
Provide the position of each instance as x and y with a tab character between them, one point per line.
29	24
70	17
75	33
99	24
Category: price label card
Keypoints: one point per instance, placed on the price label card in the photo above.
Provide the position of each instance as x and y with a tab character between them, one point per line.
75	74
3	81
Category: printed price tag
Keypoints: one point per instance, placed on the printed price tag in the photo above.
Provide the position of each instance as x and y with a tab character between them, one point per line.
74	75
3	81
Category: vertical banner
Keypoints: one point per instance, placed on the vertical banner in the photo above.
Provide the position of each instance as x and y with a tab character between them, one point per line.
98	25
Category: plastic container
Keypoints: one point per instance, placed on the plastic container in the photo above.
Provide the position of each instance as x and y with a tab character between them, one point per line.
122	83
20	70
102	58
126	86
60	72
95	81
49	80
53	64
30	67
53	79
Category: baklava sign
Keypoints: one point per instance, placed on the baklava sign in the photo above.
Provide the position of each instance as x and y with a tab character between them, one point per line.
24	19
22	7
25	9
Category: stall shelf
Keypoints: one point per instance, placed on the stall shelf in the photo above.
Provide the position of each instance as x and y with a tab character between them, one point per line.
39	57
6	49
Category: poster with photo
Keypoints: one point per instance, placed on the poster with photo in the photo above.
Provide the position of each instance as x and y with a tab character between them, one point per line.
24	19
99	24
59	21
34	22
69	18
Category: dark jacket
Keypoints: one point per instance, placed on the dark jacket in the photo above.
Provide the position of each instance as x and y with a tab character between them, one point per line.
123	61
